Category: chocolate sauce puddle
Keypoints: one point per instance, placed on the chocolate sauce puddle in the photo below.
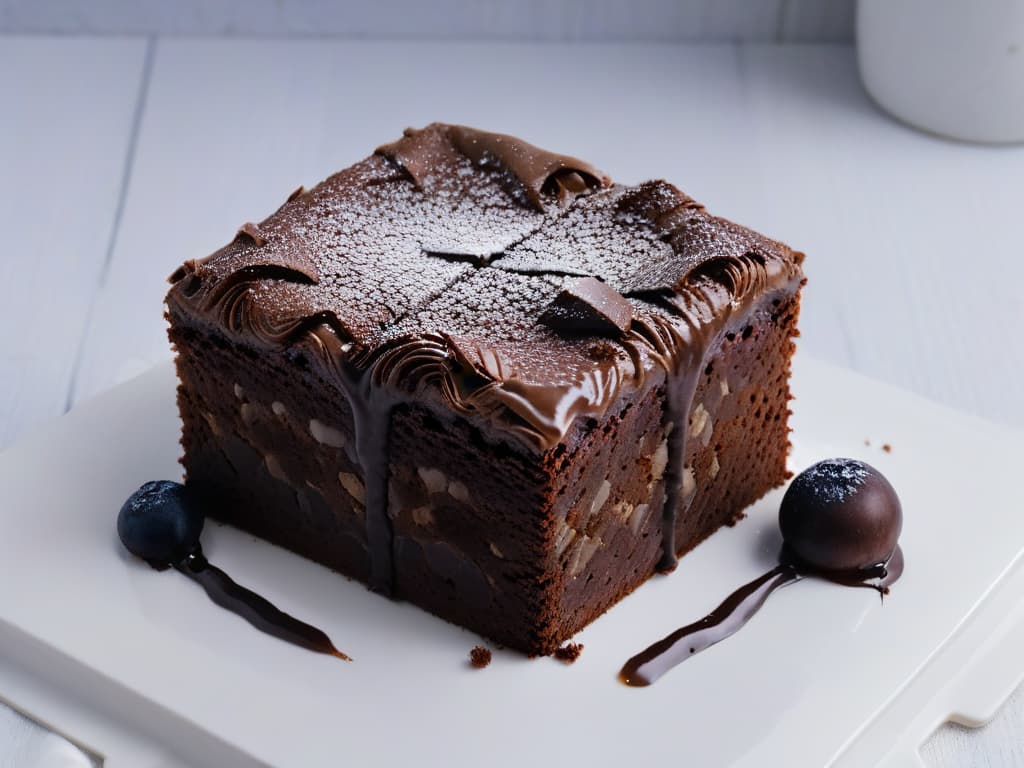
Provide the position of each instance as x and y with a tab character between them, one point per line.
738	608
256	610
878	577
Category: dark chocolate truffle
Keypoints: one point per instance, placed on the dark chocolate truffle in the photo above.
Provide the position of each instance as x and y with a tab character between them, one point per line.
841	515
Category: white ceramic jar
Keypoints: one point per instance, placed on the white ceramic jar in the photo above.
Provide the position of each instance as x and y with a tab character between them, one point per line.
952	67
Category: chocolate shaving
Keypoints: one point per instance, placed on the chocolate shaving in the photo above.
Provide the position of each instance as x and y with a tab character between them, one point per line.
420	153
537	177
653	201
589	306
542	174
252	231
296	194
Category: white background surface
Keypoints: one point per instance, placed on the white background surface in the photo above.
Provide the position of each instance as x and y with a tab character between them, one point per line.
121	158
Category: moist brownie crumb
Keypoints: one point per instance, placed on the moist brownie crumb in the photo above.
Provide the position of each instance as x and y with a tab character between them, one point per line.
887	448
569	652
479	657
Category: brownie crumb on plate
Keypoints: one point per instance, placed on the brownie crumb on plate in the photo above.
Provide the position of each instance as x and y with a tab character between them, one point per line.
479	657
569	652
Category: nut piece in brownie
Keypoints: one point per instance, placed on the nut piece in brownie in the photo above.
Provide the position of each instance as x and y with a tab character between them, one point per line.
483	378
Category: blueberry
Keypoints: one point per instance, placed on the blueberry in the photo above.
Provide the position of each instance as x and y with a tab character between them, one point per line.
160	523
841	515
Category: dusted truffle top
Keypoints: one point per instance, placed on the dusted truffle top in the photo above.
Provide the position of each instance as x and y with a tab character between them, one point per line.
520	285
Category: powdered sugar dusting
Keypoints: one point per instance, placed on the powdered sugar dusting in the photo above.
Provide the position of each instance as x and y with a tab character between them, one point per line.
636	239
590	240
496	312
835	480
370	230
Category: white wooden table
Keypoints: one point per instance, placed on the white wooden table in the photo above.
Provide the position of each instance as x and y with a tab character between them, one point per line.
121	158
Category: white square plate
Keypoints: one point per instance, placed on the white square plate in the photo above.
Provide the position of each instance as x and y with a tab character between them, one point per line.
806	682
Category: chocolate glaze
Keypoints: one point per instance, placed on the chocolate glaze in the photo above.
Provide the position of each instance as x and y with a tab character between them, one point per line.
258	611
467	331
831	501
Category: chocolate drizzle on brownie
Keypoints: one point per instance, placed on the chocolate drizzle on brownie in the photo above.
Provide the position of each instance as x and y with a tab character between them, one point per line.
371	416
516	228
682	383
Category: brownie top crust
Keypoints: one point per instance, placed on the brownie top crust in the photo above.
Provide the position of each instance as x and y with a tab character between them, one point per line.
520	286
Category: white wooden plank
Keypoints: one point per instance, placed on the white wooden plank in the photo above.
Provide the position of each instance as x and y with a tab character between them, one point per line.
913	260
467	20
232	127
65	125
1000	744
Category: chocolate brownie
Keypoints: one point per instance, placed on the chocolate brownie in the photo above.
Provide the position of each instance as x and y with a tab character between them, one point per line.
481	377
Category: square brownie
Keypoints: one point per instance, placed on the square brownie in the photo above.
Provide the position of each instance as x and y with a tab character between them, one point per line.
481	377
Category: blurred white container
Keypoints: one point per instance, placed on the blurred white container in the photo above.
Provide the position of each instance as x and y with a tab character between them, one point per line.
952	67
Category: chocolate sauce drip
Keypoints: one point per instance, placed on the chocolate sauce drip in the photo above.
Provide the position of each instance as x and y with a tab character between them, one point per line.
684	367
371	418
258	611
738	608
681	387
893	569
